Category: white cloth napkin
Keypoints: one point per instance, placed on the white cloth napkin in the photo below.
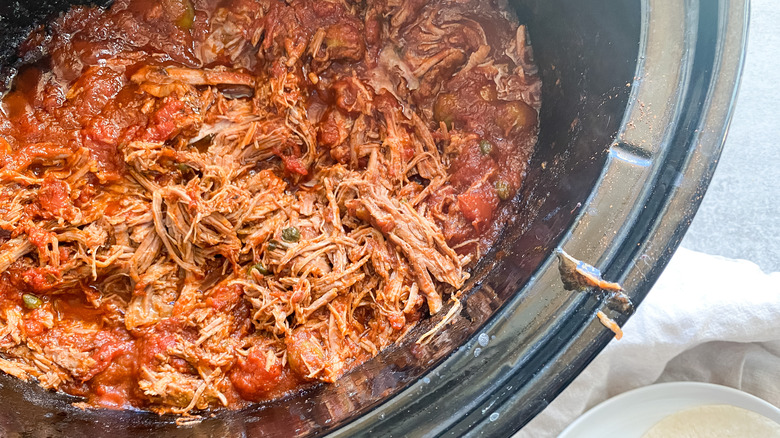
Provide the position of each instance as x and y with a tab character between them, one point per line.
707	319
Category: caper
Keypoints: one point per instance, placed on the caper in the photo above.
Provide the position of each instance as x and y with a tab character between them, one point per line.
31	301
259	268
503	190
291	234
485	147
273	245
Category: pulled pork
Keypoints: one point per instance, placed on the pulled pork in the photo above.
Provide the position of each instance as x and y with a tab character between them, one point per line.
208	203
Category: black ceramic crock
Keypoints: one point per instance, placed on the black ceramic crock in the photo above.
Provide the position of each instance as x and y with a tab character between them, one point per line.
637	100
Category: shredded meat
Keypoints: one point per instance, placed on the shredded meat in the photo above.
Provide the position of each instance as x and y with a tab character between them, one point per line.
209	203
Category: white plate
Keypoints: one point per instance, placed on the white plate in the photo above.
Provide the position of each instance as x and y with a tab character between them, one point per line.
631	414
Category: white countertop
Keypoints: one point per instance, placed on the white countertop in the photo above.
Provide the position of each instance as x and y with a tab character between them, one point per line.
740	215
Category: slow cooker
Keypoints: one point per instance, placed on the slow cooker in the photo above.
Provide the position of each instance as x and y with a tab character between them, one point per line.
637	99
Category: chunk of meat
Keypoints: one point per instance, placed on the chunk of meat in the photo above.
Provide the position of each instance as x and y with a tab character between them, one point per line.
334	128
190	76
93	91
344	41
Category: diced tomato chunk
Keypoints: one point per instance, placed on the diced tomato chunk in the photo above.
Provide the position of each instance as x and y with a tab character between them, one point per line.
54	197
257	374
294	164
478	204
164	122
225	297
33	326
41	279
